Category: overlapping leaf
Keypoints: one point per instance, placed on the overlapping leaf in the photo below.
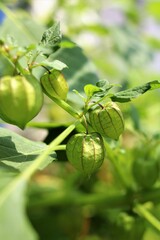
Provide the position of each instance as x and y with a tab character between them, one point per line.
129	94
19	152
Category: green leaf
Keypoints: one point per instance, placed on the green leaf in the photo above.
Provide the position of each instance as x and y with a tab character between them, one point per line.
52	36
104	84
14	224
104	87
90	89
129	94
56	64
19	152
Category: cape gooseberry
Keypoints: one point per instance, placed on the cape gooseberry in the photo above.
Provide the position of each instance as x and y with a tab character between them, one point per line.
86	152
54	84
21	99
107	120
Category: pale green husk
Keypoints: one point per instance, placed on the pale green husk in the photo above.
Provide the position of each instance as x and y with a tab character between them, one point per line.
86	152
54	84
21	99
108	121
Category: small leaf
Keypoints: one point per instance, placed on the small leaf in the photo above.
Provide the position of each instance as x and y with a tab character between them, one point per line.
104	86
56	64
52	36
19	152
129	94
90	89
102	83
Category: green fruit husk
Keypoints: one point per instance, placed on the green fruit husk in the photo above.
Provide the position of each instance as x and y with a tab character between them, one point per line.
54	84
21	99
86	152
108	121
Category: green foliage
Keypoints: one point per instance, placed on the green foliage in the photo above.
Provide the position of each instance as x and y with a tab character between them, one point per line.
39	196
129	94
18	152
51	36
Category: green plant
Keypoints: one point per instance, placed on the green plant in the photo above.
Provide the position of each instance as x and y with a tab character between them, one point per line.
51	191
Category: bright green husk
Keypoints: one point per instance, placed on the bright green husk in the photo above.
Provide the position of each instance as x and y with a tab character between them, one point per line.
108	121
54	84
85	152
21	99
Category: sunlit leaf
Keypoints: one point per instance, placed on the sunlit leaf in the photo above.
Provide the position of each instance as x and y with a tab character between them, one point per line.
52	36
129	94
56	64
90	89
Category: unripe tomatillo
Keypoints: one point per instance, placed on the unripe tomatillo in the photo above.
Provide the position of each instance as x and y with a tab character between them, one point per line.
21	99
86	152
54	84
107	120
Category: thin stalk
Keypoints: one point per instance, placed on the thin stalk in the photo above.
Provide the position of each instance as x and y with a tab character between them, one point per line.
62	197
60	147
65	106
143	212
119	200
48	124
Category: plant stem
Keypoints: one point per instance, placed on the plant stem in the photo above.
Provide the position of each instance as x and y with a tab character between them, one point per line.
143	212
60	147
65	106
121	199
68	197
48	124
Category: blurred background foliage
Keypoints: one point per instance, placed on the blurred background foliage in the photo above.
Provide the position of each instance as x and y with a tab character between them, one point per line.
120	37
122	40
